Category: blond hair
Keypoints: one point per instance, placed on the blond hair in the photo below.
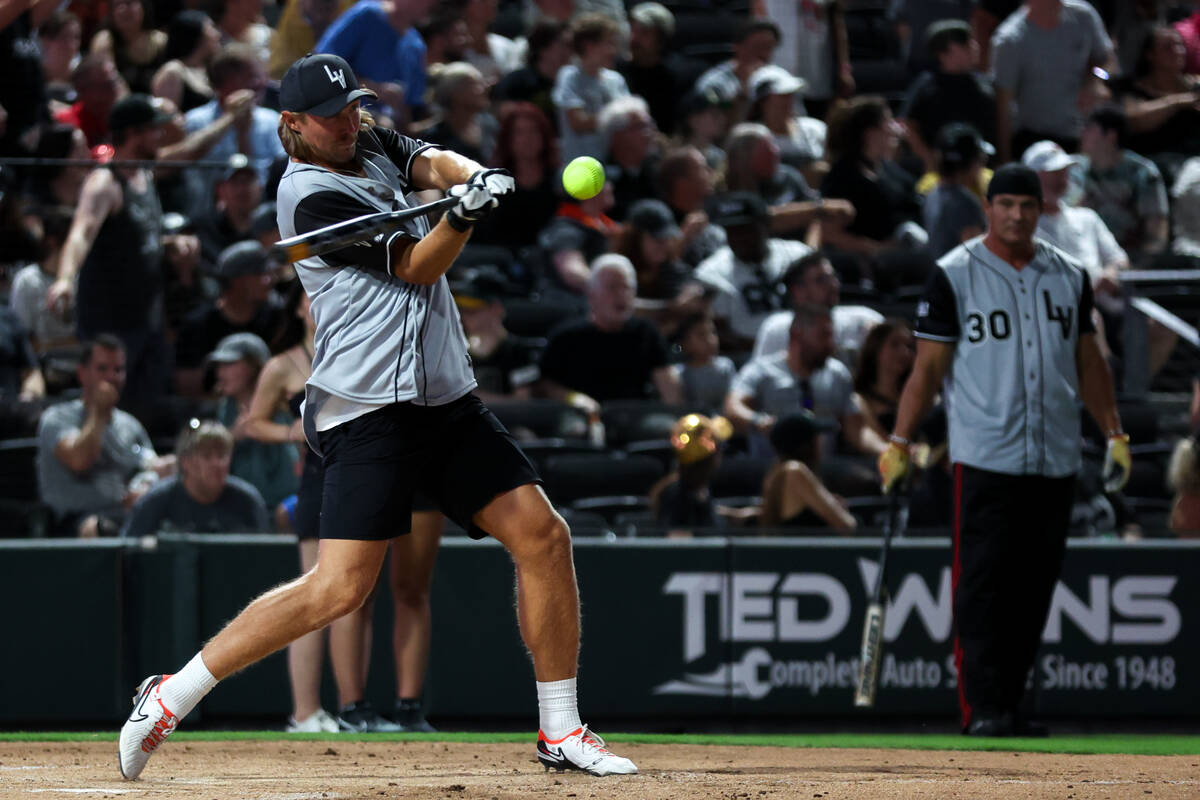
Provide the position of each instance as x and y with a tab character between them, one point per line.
203	435
294	144
1183	474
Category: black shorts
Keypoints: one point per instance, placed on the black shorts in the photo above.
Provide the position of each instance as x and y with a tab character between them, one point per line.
458	454
306	519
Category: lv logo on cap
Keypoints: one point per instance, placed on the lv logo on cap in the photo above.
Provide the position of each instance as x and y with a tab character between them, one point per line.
338	77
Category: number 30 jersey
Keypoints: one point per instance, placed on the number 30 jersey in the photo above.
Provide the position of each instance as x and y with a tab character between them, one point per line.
1012	394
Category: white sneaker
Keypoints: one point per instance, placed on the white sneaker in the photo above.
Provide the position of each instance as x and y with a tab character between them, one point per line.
320	721
582	750
147	727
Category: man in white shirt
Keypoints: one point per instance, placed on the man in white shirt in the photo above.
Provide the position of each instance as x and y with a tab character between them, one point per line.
811	279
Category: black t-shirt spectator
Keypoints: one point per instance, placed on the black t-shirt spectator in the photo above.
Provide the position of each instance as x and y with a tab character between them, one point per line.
511	366
881	202
518	220
605	366
23	85
936	99
216	232
530	86
661	86
629	186
204	328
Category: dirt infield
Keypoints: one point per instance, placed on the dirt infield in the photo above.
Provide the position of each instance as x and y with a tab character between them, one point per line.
435	771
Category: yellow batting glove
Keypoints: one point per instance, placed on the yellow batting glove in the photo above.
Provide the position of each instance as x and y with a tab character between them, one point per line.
1117	463
893	464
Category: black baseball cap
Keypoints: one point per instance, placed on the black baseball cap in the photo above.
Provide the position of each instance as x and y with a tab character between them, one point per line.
247	257
796	430
959	143
321	84
945	32
236	163
136	111
653	217
735	208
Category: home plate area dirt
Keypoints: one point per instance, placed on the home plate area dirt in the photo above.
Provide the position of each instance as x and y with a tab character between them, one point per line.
283	770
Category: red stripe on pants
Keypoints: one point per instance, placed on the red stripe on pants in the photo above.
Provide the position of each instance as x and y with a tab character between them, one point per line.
955	571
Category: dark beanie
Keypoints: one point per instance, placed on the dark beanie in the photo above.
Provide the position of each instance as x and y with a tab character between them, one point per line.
1015	178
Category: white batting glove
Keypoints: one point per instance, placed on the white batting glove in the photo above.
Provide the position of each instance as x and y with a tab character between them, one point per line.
474	203
499	182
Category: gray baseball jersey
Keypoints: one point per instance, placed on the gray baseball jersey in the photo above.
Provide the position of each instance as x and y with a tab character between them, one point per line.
379	339
1013	389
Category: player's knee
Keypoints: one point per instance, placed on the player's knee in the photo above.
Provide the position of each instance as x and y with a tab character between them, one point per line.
339	594
411	596
549	537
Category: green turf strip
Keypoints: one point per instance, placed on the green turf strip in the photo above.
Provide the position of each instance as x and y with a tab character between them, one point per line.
1153	744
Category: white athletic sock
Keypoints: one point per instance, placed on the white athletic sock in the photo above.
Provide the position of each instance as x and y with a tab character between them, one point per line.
557	710
185	688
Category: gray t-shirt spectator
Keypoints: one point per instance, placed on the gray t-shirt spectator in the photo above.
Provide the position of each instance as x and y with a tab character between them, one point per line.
1045	69
775	390
948	211
705	387
124	451
168	507
574	88
28	301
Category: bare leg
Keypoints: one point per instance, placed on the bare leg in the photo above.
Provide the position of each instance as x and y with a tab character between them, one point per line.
539	542
410	575
345	573
350	651
304	654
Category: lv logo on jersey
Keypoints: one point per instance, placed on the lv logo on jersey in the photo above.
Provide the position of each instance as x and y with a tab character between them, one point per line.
1063	316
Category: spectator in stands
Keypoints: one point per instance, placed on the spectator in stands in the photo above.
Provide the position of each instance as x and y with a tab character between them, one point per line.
811	280
238	192
1130	24
580	232
59	39
631	160
793	495
704	373
445	35
883	238
463	124
49	329
914	21
883	367
204	497
240	22
653	72
581	90
685	182
264	226
301	25
98	85
952	91
651	241
22	385
682	501
745	274
549	50
506	366
188	287
132	42
235	74
525	147
246	305
812	45
53	186
192	42
1185	207
612	354
23	90
269	468
385	51
1189	29
952	213
704	121
805	377
1042	57
489	52
1163	103
90	452
111	265
800	138
753	44
1124	188
1183	479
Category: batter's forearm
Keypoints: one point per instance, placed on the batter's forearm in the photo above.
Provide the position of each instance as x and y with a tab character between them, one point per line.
442	169
427	260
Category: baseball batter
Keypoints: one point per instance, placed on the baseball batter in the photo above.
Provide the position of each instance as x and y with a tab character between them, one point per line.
1006	322
389	406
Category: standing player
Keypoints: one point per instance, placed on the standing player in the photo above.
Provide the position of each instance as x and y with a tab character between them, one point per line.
1009	319
390	409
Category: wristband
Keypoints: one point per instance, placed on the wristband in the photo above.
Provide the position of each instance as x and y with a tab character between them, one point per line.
1115	433
760	419
900	440
458	222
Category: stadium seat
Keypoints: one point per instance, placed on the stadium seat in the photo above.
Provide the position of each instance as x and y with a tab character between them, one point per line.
628	421
584	523
660	449
739	476
610	507
21	510
539	450
575	476
541	419
532	316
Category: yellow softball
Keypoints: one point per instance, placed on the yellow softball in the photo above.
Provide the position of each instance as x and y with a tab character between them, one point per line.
583	178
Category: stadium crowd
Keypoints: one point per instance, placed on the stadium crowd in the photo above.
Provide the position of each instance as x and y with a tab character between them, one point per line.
716	341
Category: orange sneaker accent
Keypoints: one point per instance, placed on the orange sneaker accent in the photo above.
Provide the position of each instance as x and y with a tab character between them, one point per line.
548	740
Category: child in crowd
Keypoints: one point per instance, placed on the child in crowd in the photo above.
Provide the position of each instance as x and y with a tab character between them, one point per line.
582	89
704	373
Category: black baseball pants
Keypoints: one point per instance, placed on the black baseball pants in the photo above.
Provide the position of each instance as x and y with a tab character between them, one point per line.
1010	534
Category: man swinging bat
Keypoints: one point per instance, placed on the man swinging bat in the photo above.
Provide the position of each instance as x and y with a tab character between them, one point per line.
390	408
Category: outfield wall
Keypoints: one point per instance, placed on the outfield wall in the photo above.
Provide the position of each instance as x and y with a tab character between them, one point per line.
736	628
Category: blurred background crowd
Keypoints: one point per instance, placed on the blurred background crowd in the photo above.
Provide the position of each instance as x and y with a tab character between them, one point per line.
714	343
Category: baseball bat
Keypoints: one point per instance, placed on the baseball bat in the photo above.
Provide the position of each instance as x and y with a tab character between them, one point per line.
351	231
872	641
